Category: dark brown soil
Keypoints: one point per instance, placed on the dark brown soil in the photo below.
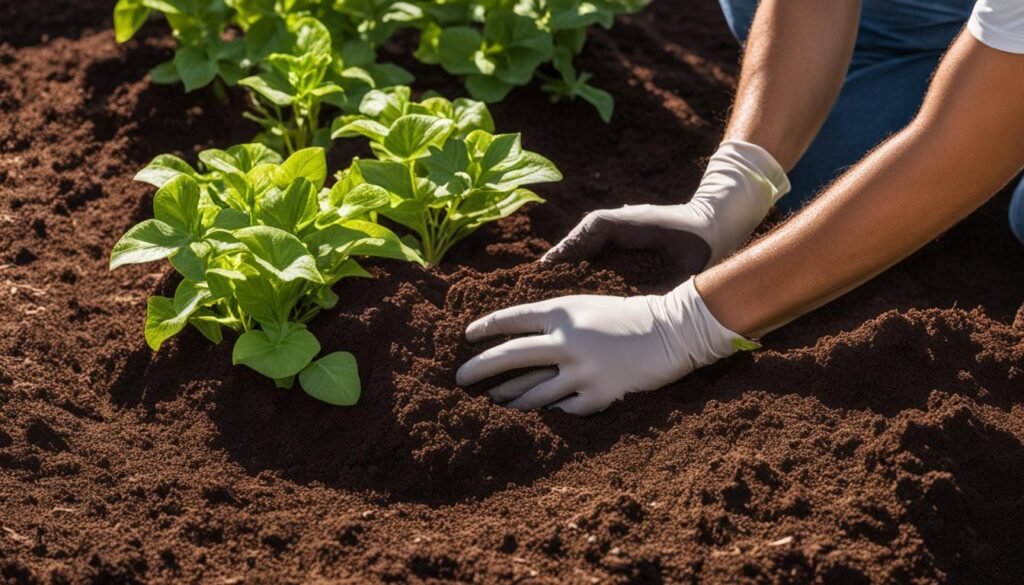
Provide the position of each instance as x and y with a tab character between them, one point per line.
878	440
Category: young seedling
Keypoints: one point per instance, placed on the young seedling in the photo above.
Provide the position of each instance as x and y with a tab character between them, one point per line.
294	84
572	86
287	95
259	243
202	54
445	171
514	41
493	60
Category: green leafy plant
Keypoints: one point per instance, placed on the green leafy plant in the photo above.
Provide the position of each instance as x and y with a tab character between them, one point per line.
445	171
288	94
500	44
203	53
495	45
259	243
262	28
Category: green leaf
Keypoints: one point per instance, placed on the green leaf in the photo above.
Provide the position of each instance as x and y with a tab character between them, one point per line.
269	34
260	299
457	46
357	75
433	105
161	321
392	176
471	115
219	160
357	53
231	219
325	298
206	322
361	127
189	264
279	253
162	169
510	30
579	15
166	317
148	241
165	73
292	208
484	64
240	158
249	156
177	204
194	67
412	213
308	163
448	168
485	206
600	99
743	344
272	86
429	51
360	200
388	74
487	89
278	351
129	16
350	269
385	106
221	281
501	149
526	169
379	242
312	38
173	6
336	242
410	136
333	379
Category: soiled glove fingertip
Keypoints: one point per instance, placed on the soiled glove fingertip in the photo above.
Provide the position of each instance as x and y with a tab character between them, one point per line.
549	257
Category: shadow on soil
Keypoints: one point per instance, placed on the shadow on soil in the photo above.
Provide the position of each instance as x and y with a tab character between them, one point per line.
415	437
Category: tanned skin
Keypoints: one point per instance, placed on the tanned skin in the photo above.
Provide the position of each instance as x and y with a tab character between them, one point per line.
966	142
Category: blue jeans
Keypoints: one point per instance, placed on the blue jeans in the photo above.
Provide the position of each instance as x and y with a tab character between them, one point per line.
899	45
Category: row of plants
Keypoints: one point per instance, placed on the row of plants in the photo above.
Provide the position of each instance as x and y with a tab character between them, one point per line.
255	231
259	239
298	54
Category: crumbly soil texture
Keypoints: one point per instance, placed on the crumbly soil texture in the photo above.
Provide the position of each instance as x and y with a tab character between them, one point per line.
878	440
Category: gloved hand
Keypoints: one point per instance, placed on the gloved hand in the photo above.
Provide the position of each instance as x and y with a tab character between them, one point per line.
602	348
741	183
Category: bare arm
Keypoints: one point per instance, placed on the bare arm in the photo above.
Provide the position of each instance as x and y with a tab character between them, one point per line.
965	143
795	61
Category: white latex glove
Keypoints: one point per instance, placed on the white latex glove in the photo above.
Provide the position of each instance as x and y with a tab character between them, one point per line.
740	185
602	348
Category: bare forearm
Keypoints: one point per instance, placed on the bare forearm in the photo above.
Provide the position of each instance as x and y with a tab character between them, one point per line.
967	141
794	64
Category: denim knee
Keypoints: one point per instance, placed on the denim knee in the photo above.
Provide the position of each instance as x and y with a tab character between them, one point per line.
739	15
1017	212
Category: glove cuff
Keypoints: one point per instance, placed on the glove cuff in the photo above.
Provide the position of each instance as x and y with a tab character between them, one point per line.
741	183
692	333
760	162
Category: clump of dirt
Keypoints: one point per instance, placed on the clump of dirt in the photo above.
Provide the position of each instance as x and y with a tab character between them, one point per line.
877	440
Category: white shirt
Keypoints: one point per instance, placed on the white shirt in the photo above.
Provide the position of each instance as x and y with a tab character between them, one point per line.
999	24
